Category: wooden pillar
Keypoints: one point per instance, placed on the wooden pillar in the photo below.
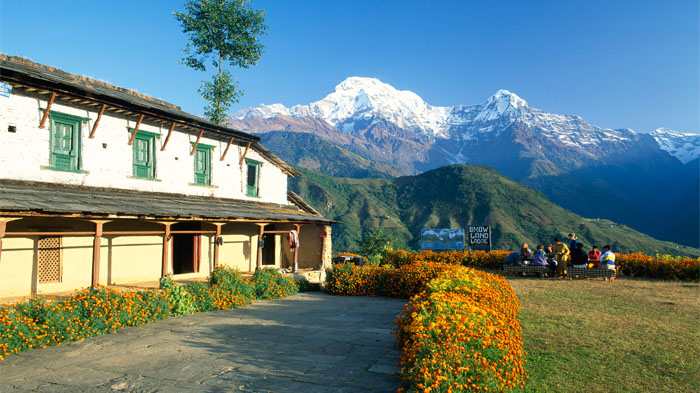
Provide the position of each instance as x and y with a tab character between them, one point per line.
258	264
216	243
97	242
296	250
2	234
325	230
165	265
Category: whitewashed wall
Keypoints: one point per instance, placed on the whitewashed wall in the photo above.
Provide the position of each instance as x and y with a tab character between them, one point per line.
108	158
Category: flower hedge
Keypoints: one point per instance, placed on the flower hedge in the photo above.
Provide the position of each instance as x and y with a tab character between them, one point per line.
660	266
462	333
42	322
460	330
475	258
633	265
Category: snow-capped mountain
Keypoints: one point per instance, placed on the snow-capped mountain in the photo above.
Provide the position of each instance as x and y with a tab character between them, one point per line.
359	104
685	147
641	179
358	100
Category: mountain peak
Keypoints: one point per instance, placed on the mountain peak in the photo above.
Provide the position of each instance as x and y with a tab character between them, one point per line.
684	146
504	99
500	103
355	82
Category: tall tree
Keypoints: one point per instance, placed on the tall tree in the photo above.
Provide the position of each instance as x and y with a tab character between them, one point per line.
221	31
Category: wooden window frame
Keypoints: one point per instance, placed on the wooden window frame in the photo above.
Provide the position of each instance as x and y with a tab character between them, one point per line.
150	138
207	150
253	191
76	158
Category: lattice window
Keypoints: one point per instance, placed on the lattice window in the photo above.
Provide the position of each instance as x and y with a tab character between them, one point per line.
49	259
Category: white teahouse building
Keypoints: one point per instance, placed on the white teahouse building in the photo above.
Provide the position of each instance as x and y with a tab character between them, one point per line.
102	185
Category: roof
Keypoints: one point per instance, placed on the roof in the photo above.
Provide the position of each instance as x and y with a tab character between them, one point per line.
25	73
49	198
296	199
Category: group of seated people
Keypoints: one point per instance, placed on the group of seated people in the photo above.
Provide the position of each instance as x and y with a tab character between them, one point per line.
558	256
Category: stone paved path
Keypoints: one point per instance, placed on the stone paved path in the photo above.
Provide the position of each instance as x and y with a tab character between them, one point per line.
308	343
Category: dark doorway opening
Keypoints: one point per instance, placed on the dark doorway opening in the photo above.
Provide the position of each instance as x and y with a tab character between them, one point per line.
187	248
268	251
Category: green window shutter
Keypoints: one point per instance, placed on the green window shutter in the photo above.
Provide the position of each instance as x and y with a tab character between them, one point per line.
202	167
65	142
252	178
144	158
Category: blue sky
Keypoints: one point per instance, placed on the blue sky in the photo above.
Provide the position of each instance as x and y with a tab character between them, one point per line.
615	63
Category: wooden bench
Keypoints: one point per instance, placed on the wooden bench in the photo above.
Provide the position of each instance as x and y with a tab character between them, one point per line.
596	272
540	271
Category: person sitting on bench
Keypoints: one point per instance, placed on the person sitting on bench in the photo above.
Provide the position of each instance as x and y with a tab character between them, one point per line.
579	258
607	259
551	258
525	254
594	257
540	257
513	259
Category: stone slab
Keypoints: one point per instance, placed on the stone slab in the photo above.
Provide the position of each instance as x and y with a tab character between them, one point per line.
309	342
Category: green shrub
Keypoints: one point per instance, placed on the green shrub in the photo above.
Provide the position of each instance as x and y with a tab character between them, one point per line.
179	298
202	299
270	284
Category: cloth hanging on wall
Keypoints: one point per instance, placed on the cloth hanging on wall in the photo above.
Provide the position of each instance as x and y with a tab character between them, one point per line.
293	238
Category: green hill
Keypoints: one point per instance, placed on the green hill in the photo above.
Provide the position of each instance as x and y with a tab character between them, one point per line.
310	151
456	196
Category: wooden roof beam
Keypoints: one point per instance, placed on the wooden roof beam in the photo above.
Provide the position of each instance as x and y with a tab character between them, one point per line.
227	147
194	147
244	154
133	134
167	138
48	109
97	122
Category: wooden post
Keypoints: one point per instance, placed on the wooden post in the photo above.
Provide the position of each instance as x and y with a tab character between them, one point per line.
165	265
258	265
296	250
167	138
324	236
48	109
194	147
97	122
96	253
2	234
227	147
216	243
136	129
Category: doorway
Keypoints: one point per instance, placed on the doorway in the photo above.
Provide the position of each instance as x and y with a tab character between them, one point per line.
268	250
187	248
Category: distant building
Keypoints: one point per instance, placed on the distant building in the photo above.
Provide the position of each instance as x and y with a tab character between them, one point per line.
103	185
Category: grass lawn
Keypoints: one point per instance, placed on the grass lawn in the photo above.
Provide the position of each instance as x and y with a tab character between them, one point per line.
593	336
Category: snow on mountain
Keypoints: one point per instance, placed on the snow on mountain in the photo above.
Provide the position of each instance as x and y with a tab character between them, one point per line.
685	147
500	104
364	99
262	110
359	102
